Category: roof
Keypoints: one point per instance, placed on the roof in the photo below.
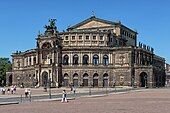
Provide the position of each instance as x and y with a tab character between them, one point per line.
93	18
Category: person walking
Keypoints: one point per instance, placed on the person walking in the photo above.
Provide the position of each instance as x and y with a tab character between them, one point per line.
26	93
29	93
3	91
74	90
12	90
64	96
15	89
8	91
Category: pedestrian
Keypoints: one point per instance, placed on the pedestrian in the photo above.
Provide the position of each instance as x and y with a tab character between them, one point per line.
12	90
26	93
71	88
15	89
3	91
74	90
29	92
8	91
64	96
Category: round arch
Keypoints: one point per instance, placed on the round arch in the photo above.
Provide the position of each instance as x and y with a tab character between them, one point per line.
75	79
44	79
10	80
105	80
66	80
46	45
65	60
85	80
95	80
143	79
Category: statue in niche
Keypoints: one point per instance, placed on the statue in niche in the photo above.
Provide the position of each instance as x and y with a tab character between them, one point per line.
37	44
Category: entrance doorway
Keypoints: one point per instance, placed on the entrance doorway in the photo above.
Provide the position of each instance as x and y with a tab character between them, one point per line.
105	80
66	80
143	79
95	80
10	80
44	79
85	80
75	80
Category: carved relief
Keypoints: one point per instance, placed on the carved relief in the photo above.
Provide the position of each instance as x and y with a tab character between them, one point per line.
93	24
122	59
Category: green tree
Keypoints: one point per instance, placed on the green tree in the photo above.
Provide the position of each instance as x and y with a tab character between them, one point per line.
5	65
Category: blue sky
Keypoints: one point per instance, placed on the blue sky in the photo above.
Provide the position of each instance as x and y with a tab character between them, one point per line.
20	20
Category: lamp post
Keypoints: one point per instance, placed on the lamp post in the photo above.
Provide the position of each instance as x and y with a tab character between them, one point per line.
132	82
106	88
49	85
145	81
90	89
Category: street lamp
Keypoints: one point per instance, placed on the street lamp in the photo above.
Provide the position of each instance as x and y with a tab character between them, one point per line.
49	85
114	84
145	81
132	82
90	89
106	87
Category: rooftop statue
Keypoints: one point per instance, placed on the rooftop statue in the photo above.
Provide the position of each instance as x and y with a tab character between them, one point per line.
51	26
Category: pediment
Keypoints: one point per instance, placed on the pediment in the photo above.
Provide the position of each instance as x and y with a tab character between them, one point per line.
93	24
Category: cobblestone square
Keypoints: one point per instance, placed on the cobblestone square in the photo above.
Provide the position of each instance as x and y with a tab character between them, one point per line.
145	101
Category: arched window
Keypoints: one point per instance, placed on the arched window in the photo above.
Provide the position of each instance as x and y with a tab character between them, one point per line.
66	80
46	45
65	60
30	61
85	60
75	80
95	59
85	79
105	60
95	80
105	80
75	59
34	60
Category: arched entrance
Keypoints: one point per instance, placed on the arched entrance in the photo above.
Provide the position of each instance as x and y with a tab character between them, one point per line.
143	79
75	80
44	79
85	80
10	80
95	80
105	80
66	79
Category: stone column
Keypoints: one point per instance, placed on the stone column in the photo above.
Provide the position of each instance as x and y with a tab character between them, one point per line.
100	80
71	58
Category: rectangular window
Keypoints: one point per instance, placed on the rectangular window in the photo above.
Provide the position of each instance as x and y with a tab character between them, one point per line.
87	37
94	37
80	37
73	37
66	37
50	61
111	39
101	37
